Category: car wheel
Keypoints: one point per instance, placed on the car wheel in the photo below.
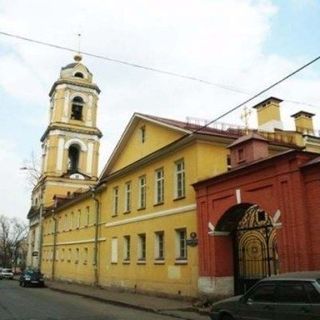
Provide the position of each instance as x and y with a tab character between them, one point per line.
227	317
24	284
20	283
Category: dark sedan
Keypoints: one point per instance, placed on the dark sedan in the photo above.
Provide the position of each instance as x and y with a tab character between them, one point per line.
31	278
294	296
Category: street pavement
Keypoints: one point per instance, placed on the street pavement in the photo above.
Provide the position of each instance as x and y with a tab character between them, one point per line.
61	301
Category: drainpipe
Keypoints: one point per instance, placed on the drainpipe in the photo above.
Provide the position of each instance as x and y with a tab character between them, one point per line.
95	257
54	244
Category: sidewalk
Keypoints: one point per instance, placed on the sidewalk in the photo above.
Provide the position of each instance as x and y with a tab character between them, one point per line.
176	308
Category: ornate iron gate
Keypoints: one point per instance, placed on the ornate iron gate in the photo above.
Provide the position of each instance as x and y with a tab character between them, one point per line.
256	249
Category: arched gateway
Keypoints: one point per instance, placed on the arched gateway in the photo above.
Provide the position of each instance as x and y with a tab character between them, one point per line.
254	244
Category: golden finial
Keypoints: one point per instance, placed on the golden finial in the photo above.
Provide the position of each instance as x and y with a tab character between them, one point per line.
245	115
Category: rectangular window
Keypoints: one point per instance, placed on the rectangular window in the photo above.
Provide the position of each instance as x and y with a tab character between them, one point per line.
127	204
126	248
180	179
79	219
71	224
159	245
142	247
115	208
159	186
87	216
143	134
142	192
114	250
181	244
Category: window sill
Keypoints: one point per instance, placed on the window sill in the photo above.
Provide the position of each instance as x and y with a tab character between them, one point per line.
179	198
114	263
142	208
126	262
158	204
159	262
181	262
127	212
142	262
114	215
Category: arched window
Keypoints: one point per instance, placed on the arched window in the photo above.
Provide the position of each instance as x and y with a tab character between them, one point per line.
77	106
73	157
79	75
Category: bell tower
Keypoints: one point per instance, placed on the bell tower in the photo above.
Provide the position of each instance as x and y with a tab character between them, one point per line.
70	144
70	148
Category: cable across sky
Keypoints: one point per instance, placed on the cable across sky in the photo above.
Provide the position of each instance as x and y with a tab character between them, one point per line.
172	73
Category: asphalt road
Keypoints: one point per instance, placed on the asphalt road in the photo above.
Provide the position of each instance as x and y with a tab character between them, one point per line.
18	303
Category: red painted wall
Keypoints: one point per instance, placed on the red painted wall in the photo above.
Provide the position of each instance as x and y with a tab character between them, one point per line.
275	183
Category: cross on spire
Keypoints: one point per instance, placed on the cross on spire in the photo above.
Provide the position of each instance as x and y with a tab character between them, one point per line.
78	56
245	115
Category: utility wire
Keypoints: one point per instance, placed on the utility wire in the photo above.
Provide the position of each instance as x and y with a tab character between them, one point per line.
258	94
171	73
127	63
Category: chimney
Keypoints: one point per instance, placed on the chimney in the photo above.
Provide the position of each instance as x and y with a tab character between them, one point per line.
269	114
303	122
248	148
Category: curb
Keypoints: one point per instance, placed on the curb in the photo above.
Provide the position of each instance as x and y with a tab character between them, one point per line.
124	304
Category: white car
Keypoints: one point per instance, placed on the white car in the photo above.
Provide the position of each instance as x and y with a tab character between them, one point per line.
6	273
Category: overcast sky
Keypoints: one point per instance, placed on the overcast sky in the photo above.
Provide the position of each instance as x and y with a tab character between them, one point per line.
244	45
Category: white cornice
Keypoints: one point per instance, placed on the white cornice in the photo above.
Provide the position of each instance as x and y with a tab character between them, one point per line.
58	132
153	215
73	242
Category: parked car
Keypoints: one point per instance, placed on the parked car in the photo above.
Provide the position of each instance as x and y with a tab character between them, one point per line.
294	296
31	277
6	273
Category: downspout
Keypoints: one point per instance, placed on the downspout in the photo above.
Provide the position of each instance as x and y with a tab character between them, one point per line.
96	235
54	245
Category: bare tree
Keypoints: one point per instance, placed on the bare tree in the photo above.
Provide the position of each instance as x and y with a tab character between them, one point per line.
32	170
13	234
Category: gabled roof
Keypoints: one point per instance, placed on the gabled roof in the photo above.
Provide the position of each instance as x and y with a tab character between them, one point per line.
185	128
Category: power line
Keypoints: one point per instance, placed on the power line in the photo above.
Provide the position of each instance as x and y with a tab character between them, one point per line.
127	63
259	93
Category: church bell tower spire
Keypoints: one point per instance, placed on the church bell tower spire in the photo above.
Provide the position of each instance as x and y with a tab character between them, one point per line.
70	144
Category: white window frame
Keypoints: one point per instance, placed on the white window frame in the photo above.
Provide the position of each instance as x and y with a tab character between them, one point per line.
126	248
181	244
159	186
180	179
127	197
87	215
114	250
159	246
115	201
142	192
142	247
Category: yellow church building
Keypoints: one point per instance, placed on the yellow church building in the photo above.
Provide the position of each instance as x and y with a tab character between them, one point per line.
134	227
